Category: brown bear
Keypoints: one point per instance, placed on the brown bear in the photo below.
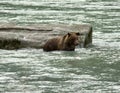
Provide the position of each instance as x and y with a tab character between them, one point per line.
66	42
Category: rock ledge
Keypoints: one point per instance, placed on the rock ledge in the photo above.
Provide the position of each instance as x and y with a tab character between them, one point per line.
34	36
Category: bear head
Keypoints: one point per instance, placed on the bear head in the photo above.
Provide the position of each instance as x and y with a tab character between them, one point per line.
71	40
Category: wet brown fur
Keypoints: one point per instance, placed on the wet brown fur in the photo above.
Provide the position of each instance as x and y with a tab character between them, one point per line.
66	42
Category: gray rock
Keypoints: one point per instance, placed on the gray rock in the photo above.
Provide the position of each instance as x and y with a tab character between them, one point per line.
34	36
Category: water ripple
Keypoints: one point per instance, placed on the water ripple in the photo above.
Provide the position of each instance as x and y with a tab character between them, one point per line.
95	69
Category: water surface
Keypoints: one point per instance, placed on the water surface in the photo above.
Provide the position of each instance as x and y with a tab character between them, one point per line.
86	70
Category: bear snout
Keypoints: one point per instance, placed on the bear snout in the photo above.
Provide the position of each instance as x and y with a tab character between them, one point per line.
76	43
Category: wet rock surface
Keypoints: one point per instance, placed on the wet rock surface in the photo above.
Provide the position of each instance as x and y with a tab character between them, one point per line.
34	36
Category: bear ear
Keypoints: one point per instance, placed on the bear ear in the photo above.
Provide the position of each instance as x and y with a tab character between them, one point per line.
69	34
78	33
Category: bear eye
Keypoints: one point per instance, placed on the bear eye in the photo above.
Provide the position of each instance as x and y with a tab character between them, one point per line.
73	39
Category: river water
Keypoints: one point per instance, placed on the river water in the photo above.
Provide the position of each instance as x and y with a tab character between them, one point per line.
86	70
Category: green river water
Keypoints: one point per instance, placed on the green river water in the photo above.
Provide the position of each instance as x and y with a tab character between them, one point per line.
86	70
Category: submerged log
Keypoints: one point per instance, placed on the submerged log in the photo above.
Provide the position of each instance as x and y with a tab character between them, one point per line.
34	36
